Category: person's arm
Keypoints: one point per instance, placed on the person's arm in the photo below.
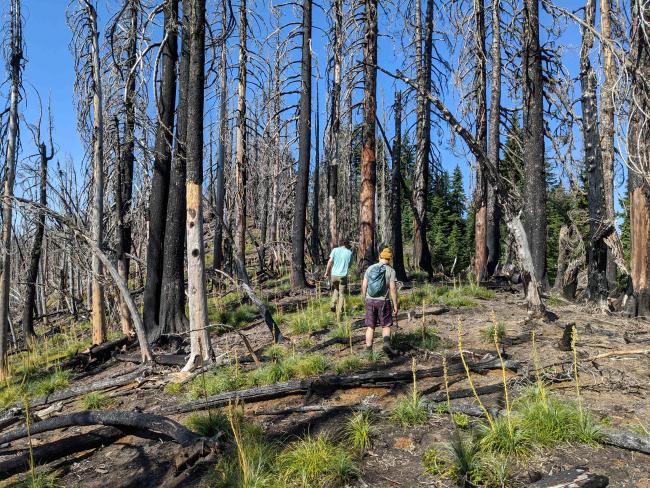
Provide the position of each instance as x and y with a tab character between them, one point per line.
393	296
329	267
364	287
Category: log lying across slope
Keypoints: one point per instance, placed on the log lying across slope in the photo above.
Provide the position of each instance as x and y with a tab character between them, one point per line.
326	384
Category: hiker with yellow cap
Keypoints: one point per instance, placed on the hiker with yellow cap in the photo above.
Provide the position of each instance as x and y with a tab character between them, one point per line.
379	287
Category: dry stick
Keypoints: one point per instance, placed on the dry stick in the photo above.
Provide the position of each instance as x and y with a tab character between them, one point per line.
617	353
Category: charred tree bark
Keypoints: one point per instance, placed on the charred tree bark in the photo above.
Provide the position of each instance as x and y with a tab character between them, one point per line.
315	217
35	259
493	234
639	163
335	125
597	258
16	66
221	156
606	130
481	192
126	160
367	247
396	195
172	319
97	214
298	279
161	169
422	255
533	144
241	149
197	298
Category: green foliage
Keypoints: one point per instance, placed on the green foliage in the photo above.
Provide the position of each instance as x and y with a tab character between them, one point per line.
173	388
276	351
316	462
409	410
348	363
224	378
423	338
460	419
208	424
506	436
466	459
438	463
95	400
487	334
242	315
359	430
39	480
315	317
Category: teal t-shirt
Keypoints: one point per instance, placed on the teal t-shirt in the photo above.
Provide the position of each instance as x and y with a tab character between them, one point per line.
341	257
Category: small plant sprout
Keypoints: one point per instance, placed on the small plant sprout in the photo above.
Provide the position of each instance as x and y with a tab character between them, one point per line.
410	410
359	430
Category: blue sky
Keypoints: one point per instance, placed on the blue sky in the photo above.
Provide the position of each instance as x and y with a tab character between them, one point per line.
50	70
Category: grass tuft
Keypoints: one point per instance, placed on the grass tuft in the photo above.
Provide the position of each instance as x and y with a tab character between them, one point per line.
208	424
359	430
316	462
487	334
95	400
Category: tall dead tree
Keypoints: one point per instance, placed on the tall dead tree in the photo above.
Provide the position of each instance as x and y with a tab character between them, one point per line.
241	147
166	103
606	127
396	195
298	279
597	259
97	209
493	210
423	55
29	303
197	298
367	252
315	215
15	63
172	318
639	161
221	155
481	192
533	141
335	122
125	162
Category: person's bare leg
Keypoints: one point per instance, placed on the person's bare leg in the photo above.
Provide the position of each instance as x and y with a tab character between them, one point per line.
385	332
370	333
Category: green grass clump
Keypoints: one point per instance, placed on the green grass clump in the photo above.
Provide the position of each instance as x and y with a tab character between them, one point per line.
208	424
422	338
460	419
173	388
466	460
506	436
551	420
242	315
410	410
95	400
316	462
348	363
312	365
39	480
342	331
438	463
49	384
487	334
359	430
276	351
289	367
224	378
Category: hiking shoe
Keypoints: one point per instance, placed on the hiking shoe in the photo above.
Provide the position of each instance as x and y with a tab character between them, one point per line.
390	352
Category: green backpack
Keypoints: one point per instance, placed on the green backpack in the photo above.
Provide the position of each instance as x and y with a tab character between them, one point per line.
376	281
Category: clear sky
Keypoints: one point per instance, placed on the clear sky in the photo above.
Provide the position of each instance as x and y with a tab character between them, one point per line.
50	70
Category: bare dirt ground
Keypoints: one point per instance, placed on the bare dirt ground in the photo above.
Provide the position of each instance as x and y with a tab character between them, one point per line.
614	387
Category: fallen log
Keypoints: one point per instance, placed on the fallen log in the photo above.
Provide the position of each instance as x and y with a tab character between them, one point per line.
572	478
95	355
112	418
327	384
17	409
163	359
58	449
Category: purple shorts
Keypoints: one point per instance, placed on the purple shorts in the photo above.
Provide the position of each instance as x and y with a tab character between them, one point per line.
378	310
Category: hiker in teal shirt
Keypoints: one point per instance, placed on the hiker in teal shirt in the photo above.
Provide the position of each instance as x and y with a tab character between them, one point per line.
338	264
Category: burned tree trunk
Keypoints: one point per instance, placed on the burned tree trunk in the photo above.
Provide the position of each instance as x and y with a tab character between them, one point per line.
161	168
493	235
241	149
597	261
481	192
172	317
298	279
97	214
125	169
533	144
315	217
335	124
221	156
367	253
639	163
16	67
421	254
35	259
396	195
197	298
